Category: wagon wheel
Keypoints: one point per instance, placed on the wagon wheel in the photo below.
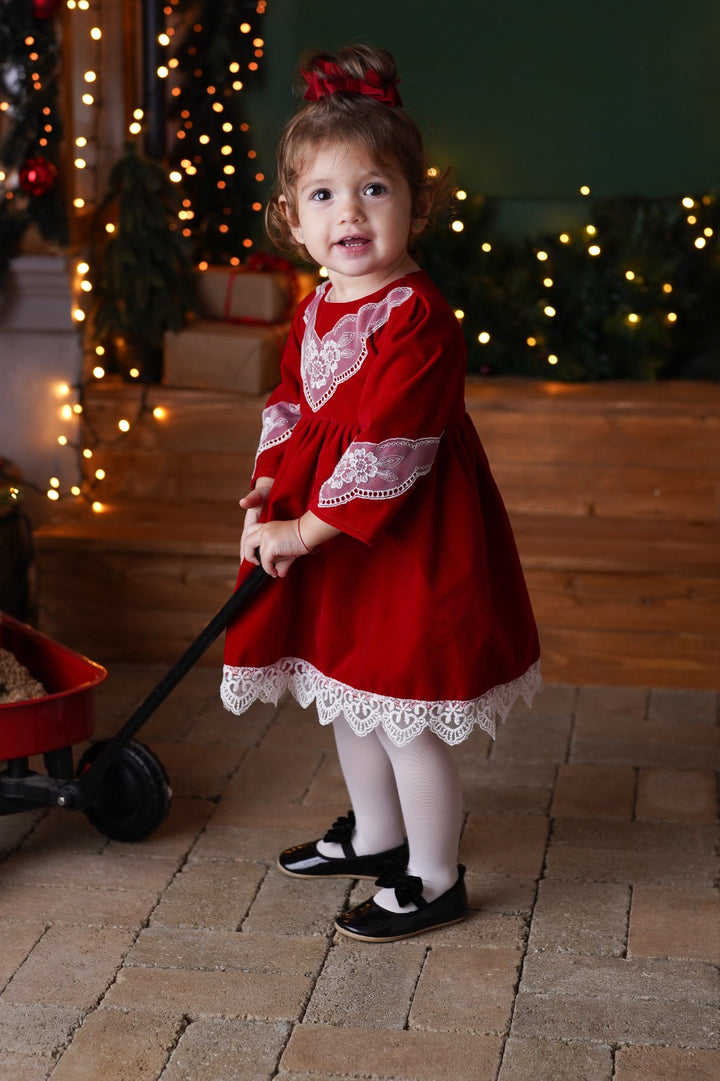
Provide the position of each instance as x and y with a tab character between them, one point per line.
134	796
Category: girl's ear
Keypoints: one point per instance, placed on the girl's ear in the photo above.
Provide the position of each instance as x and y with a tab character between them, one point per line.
291	218
423	207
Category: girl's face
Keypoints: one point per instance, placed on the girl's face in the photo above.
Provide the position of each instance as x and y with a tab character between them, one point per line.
354	217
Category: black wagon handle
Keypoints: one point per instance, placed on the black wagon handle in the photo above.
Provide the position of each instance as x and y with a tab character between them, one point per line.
76	793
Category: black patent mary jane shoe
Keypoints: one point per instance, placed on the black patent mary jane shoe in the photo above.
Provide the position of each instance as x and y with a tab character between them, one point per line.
304	861
371	923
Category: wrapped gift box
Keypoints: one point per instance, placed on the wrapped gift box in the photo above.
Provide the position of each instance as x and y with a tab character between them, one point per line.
224	356
229	293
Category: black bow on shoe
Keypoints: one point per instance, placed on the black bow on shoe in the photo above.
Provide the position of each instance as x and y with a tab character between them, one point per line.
341	830
408	888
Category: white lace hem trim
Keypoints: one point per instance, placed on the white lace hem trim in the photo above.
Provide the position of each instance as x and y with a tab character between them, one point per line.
401	718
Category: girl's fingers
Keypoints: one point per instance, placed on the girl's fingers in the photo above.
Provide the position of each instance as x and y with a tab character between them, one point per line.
256	498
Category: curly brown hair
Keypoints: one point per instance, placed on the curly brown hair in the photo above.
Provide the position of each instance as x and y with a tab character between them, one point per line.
387	134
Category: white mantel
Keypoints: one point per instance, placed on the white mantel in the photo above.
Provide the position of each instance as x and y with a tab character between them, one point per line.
40	349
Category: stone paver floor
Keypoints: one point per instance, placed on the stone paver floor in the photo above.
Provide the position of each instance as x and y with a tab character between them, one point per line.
591	954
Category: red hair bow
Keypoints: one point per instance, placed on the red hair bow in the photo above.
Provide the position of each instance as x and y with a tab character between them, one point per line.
334	79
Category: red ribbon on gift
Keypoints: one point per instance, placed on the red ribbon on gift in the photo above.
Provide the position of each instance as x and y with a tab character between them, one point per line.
262	262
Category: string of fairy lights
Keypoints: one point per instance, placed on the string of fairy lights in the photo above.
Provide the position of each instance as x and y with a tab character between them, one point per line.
85	197
588	239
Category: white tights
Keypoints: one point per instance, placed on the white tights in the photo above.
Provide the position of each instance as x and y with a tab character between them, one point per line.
411	791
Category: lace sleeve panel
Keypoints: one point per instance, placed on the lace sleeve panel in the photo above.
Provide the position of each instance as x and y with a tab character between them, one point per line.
378	470
278	421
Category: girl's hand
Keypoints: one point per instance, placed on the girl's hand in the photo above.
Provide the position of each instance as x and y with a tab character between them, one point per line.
253	503
279	544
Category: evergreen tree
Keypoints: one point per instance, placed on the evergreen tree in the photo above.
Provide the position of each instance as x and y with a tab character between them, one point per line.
216	50
144	284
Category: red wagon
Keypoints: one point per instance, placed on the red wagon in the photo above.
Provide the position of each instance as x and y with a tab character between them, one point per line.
118	783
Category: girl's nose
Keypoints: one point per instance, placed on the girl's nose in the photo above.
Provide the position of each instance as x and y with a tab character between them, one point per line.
351	209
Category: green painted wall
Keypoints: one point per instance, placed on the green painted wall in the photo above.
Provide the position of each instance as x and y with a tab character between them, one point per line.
528	101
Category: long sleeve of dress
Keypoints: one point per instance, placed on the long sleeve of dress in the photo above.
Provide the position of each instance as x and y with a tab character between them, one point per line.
414	377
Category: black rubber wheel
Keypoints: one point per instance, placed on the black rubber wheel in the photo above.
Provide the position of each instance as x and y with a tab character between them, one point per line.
134	796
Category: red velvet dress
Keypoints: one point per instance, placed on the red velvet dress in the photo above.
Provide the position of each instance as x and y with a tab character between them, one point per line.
417	615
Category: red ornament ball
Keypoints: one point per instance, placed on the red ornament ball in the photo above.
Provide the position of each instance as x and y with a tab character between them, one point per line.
45	9
37	176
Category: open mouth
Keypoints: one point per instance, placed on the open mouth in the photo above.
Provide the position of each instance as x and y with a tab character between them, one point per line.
353	242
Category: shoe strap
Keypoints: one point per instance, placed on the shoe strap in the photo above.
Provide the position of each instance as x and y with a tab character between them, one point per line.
408	888
340	833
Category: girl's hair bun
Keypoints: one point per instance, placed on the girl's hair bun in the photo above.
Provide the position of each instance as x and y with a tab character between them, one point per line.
322	74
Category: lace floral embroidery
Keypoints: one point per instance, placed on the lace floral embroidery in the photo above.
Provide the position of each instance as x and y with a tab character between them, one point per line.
401	718
378	470
278	421
327	362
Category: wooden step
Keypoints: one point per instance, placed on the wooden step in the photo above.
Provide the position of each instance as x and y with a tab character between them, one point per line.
616	601
567	453
201	447
140	580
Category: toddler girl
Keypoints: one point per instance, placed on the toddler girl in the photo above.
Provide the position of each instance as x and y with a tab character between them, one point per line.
400	607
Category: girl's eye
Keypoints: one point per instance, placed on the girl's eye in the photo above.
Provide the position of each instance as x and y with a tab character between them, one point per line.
321	195
376	188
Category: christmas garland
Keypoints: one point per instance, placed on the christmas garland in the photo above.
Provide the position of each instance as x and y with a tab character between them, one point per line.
30	125
632	294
